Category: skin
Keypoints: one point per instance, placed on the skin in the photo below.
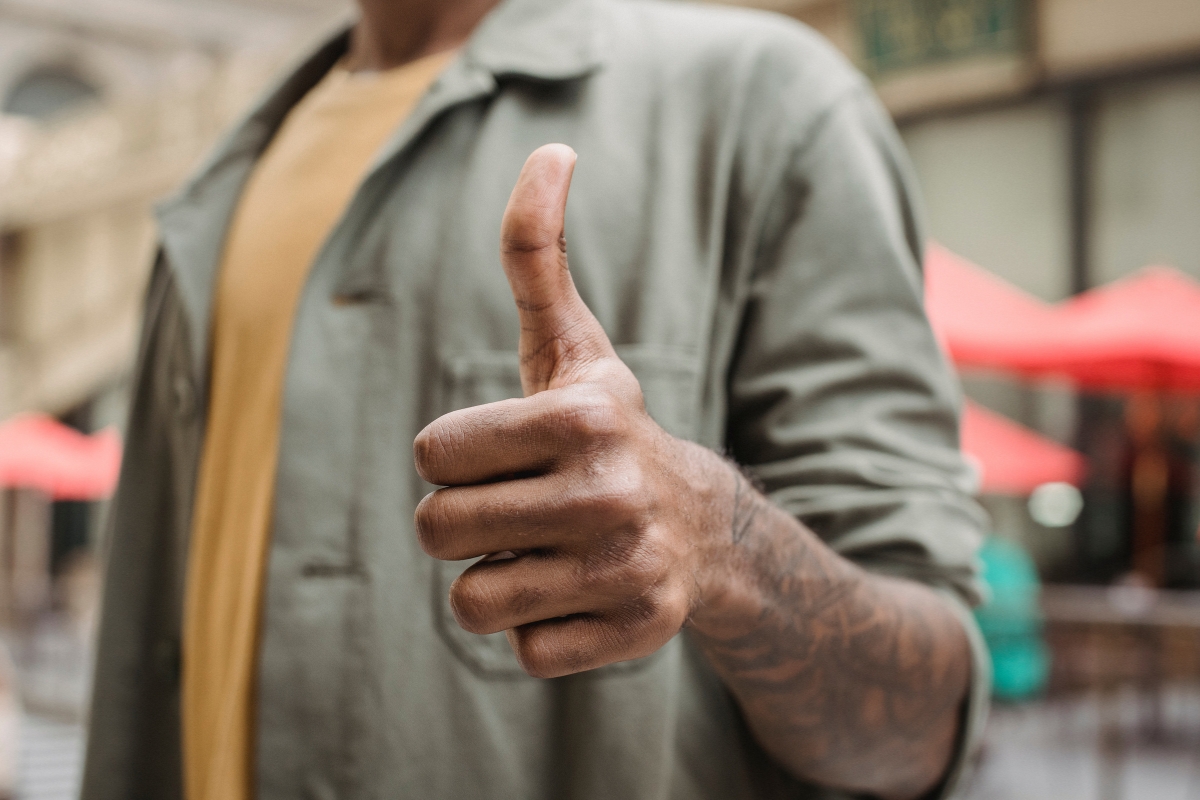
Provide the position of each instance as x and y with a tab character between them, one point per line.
393	32
603	536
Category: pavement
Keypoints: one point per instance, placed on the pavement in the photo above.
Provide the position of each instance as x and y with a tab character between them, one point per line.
50	759
1126	747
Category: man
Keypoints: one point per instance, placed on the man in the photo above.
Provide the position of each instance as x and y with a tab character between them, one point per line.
349	282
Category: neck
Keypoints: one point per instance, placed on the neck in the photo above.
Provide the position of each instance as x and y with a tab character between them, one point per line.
390	33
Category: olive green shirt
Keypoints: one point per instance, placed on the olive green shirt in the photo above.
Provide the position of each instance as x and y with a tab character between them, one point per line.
742	224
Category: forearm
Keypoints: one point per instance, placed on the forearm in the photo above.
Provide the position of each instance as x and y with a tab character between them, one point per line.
850	680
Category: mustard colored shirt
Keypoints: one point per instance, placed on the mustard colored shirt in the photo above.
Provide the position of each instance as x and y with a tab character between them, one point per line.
298	190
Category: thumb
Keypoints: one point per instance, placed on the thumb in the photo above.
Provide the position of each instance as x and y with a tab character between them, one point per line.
560	337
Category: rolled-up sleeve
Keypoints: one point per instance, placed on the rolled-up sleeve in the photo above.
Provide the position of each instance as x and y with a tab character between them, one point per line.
840	401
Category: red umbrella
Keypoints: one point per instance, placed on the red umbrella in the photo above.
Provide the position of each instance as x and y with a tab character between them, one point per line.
1142	332
1013	459
37	451
1139	333
981	320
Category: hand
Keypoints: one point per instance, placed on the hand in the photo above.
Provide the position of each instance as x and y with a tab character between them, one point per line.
597	525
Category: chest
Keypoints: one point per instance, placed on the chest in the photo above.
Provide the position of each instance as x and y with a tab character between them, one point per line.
408	292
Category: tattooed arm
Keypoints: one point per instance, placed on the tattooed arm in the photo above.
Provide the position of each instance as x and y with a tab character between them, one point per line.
849	679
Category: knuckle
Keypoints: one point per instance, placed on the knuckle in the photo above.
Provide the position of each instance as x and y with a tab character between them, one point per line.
539	651
661	607
618	493
438	450
526	599
635	614
642	566
429	449
534	662
645	627
594	415
620	567
630	561
648	621
429	520
680	608
470	606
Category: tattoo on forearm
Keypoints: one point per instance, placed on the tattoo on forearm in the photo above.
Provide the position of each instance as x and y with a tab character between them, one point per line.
840	665
745	506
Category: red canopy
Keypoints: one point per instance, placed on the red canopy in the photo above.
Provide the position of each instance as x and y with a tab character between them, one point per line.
1142	332
37	451
981	320
1013	459
1139	333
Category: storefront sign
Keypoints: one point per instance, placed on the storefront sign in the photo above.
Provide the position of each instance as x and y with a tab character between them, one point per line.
898	34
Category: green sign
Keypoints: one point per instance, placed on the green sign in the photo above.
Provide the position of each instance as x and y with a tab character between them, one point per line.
898	34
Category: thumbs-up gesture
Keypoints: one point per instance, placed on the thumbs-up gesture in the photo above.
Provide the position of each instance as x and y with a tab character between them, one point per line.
599	529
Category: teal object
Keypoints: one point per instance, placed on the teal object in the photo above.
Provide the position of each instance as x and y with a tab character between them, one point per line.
1011	621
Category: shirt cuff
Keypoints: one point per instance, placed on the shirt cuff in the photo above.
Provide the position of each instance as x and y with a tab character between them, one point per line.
974	714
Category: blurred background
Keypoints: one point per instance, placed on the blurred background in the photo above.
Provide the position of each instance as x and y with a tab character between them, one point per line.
1057	143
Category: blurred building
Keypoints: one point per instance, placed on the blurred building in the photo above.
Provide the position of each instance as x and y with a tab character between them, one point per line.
104	106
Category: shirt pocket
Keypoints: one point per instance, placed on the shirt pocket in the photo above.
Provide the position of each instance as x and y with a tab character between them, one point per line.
669	378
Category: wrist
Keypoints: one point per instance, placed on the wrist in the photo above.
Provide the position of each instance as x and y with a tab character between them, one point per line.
761	559
732	589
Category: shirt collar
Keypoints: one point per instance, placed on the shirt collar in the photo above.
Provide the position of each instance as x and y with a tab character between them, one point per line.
546	40
542	40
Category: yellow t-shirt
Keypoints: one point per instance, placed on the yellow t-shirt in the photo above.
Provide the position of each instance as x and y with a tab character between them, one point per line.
291	202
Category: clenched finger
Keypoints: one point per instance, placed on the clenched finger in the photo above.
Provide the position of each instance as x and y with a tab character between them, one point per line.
493	596
556	647
519	436
554	511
